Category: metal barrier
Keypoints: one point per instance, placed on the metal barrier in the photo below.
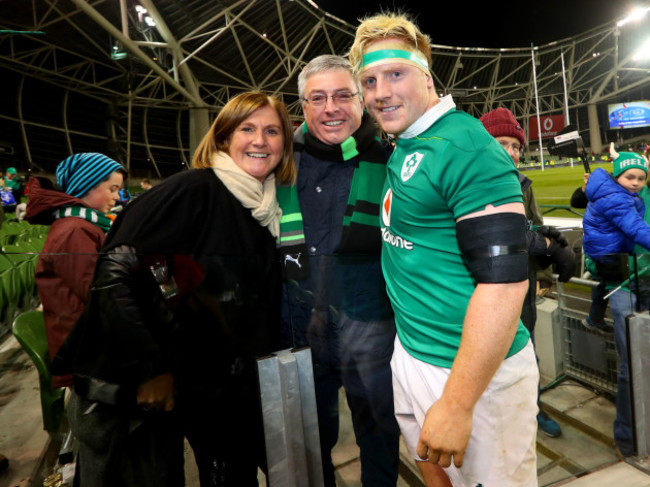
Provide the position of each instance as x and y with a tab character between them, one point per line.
549	208
290	422
589	356
638	329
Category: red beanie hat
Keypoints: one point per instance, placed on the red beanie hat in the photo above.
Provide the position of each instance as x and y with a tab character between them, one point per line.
502	123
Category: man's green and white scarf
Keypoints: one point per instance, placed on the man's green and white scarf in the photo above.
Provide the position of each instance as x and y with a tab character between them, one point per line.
361	232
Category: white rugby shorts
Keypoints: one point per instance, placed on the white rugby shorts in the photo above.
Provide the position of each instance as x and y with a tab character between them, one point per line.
501	450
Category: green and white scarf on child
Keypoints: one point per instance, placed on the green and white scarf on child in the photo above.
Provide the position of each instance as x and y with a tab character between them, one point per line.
95	217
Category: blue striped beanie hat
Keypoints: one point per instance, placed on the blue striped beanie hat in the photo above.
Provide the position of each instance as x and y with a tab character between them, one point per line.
80	173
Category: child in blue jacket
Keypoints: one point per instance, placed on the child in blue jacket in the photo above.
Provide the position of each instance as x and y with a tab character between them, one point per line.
613	224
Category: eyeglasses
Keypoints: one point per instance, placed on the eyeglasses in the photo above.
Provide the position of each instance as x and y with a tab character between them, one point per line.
515	147
320	99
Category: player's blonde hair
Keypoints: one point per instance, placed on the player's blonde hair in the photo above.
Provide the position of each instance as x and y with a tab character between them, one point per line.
388	25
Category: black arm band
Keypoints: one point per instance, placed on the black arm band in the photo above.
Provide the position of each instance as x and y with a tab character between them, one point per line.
494	247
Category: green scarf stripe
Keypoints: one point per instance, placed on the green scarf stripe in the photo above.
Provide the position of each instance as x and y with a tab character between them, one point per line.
291	226
93	216
293	229
363	210
294	217
349	149
287	238
373	175
361	219
291	236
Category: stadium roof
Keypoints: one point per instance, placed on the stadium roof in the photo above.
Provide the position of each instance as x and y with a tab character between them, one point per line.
145	64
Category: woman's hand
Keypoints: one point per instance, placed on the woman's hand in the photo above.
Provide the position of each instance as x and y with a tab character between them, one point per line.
157	393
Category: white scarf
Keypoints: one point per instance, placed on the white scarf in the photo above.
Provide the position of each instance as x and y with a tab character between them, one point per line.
250	192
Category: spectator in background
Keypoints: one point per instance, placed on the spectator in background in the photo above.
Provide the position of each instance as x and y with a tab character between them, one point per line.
579	198
545	244
596	318
89	184
614	224
21	211
11	179
7	200
14	183
4	461
145	184
124	196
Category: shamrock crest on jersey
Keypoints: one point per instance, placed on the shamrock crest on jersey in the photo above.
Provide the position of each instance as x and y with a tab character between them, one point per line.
411	163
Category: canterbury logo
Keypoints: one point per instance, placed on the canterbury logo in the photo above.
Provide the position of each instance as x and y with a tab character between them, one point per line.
295	260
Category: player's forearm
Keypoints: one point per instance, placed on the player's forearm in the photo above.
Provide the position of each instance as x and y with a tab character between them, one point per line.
490	325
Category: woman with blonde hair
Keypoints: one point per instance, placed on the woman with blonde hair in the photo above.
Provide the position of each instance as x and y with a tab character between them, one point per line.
186	296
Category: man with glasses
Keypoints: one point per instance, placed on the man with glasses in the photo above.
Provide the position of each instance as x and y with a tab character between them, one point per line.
334	297
502	125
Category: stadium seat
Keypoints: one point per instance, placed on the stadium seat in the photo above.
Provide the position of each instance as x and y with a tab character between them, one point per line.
24	258
10	292
10	231
29	330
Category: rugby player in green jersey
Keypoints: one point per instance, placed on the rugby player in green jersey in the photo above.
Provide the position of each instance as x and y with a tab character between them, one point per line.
455	263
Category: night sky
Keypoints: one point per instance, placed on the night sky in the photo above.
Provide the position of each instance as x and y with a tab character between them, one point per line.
496	23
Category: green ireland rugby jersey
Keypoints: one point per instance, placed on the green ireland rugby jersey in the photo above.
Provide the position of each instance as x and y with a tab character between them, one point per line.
452	169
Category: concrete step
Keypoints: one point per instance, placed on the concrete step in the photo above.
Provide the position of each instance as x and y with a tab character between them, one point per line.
584	450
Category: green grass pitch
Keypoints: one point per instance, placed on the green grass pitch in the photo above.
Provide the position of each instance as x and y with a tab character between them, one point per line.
555	185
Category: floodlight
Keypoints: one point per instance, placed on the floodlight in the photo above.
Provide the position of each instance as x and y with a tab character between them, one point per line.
643	53
635	16
117	51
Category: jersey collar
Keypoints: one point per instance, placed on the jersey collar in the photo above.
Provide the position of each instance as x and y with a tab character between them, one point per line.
429	117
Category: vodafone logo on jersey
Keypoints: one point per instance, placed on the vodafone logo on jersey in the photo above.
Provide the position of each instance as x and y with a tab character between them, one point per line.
385	207
386	235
